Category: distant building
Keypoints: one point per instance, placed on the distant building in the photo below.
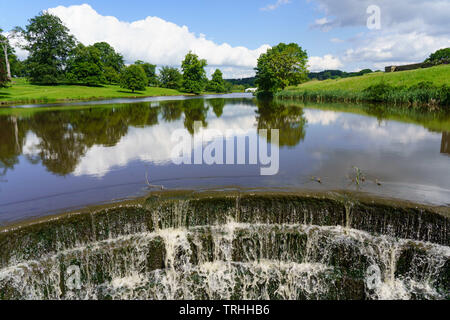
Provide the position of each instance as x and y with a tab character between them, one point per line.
252	90
407	67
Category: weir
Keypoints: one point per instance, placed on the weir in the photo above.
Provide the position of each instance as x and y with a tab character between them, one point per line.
185	245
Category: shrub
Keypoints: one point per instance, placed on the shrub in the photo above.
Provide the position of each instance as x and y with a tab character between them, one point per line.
378	92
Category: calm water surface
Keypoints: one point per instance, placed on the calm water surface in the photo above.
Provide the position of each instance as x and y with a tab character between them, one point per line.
60	158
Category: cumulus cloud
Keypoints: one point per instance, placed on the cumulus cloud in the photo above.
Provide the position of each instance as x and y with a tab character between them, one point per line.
410	29
154	144
324	118
403	15
152	39
16	43
327	62
274	6
396	48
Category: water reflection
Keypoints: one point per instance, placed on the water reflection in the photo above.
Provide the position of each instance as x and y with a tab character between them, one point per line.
445	143
59	158
289	119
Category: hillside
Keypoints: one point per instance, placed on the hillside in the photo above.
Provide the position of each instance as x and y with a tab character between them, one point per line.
423	86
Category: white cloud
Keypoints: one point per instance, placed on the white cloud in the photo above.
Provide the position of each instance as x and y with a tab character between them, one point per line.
152	39
323	118
274	6
337	40
395	48
403	15
232	72
327	62
410	30
153	144
16	43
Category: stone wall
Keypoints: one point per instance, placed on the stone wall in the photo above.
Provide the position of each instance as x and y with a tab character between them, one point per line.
408	67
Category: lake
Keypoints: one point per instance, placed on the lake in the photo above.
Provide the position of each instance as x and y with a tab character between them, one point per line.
63	157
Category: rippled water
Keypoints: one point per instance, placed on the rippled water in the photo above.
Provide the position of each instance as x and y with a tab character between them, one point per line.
64	157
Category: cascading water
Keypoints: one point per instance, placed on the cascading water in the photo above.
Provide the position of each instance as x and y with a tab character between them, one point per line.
226	248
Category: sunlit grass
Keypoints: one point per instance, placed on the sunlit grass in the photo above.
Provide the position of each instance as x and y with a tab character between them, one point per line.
400	87
24	92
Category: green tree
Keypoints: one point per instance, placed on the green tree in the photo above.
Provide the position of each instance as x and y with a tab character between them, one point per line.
194	75
5	67
111	76
217	84
281	66
439	57
49	45
133	78
4	79
109	57
170	77
85	66
150	71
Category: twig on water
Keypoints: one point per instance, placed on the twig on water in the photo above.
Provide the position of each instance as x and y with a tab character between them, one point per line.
151	185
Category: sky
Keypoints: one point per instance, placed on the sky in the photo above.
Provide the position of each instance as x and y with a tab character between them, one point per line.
231	34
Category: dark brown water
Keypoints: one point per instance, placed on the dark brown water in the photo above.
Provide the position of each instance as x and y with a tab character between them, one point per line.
59	158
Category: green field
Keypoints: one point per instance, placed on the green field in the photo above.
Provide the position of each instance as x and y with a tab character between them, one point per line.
21	91
399	83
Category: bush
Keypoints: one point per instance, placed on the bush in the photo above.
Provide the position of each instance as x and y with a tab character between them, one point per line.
378	92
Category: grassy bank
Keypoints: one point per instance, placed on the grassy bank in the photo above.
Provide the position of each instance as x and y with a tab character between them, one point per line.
23	92
422	87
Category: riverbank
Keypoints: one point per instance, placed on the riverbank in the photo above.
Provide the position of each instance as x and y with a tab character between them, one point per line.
22	92
428	88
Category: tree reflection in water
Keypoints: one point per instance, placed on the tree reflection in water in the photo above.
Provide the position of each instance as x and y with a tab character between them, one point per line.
289	119
64	136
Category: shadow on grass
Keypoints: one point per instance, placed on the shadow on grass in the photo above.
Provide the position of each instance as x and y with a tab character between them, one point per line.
4	95
39	84
130	92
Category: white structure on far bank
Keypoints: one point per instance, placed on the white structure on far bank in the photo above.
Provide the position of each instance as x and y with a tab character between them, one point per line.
252	90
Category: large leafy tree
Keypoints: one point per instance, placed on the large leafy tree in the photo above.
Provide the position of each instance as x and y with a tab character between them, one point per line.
49	45
217	84
194	75
5	67
8	60
170	77
281	66
4	79
85	66
3	75
150	72
133	78
109	57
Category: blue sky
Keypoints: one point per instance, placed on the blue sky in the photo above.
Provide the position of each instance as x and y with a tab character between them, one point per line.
333	32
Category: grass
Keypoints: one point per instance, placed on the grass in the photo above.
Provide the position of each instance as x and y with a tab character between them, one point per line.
415	87
22	91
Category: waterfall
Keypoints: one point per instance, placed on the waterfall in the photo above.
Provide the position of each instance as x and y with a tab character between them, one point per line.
183	249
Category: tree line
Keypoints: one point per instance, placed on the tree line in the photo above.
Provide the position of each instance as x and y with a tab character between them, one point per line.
56	56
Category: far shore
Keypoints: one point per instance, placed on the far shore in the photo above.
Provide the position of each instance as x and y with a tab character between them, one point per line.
21	92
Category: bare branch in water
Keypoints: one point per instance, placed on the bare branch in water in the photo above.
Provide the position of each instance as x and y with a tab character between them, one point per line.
151	185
